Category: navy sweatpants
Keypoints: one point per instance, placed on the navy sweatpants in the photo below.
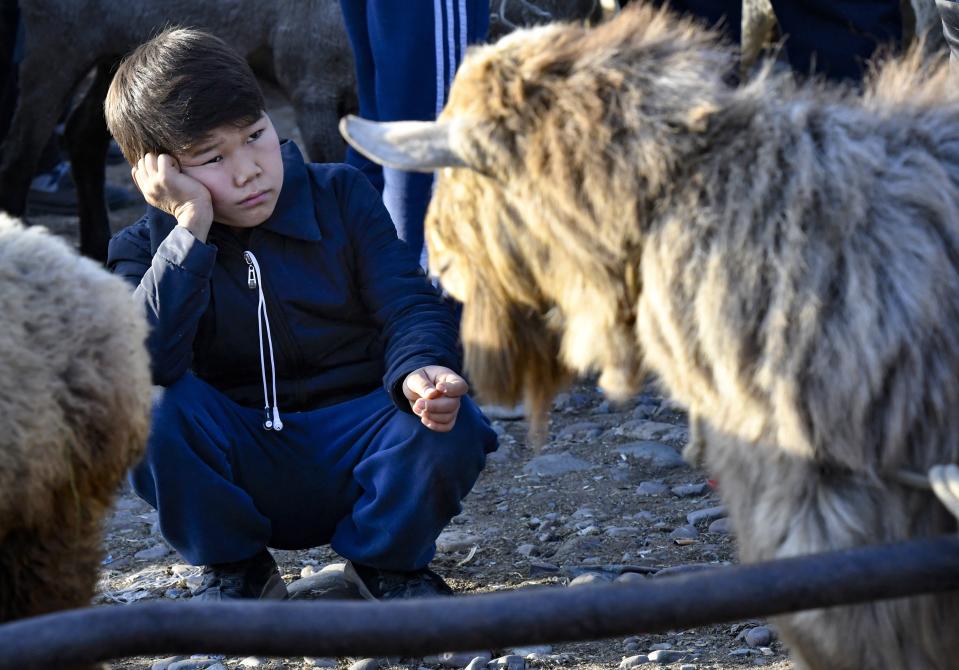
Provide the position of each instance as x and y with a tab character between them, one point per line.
406	54
362	476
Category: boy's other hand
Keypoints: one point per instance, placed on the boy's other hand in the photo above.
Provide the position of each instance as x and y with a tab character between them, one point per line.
434	393
165	187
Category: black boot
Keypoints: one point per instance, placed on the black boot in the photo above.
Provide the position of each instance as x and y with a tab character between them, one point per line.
255	577
377	584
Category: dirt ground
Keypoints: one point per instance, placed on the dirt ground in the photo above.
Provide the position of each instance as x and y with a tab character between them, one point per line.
526	522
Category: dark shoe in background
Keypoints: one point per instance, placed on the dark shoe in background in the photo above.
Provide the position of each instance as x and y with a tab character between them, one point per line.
949	11
252	578
55	192
376	584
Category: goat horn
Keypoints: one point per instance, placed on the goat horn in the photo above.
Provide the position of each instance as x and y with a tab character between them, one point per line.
414	146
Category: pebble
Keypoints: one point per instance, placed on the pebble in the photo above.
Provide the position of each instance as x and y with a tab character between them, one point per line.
191	664
653	455
590	578
511	662
541	568
584	430
685	569
329	583
640	429
452	541
478	663
659	646
312	662
373	663
583	513
664	656
630	578
631	646
707	514
721	526
540	649
684	533
687	666
154	553
251	662
216	666
458	659
525	549
690	490
164	663
553	465
651	489
743	651
760	636
633	661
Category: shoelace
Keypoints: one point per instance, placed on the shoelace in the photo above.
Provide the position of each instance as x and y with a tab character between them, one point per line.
255	281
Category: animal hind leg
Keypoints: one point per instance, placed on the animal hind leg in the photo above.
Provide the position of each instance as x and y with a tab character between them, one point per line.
86	140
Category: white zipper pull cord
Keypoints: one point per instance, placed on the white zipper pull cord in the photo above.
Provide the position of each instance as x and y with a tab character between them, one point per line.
255	281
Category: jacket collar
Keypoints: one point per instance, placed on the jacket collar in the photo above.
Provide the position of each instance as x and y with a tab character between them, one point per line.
295	213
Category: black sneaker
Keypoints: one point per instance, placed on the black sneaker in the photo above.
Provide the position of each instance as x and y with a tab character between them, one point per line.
376	584
55	193
256	577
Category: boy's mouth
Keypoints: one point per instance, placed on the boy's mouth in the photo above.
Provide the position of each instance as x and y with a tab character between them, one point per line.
255	199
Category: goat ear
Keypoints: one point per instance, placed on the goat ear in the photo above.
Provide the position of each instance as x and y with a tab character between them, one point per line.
414	146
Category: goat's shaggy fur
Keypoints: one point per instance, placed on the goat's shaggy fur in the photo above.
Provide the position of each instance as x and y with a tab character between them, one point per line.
784	257
74	413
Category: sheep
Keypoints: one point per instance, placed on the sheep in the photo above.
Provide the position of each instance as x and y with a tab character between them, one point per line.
303	45
783	255
74	412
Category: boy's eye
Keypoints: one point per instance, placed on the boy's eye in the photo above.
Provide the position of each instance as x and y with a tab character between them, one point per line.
256	135
215	159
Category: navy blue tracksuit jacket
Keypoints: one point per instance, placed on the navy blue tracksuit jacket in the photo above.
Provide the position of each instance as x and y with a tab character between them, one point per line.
351	315
349	306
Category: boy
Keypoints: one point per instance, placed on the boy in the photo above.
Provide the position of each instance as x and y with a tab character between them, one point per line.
309	366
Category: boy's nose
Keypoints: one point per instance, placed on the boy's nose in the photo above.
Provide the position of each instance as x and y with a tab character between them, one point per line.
247	171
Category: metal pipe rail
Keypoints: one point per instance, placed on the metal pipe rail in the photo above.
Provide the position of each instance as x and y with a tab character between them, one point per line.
418	627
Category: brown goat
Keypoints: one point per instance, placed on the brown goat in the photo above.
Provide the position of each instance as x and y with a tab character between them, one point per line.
74	414
784	257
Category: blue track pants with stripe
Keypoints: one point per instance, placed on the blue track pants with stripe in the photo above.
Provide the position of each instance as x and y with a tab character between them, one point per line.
406	53
362	476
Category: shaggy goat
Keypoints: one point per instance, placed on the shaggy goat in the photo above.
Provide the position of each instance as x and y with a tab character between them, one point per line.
303	45
785	257
74	402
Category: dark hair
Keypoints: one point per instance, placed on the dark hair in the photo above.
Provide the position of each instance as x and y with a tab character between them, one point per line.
174	90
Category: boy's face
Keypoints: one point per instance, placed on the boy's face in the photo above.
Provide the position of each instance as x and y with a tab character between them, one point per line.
241	168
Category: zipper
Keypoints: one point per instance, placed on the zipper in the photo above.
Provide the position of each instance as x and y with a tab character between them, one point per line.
288	348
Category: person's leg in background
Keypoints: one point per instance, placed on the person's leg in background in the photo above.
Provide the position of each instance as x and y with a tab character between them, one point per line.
354	16
836	38
725	15
405	64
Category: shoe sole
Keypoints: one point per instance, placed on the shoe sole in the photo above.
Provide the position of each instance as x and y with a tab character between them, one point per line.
349	573
275	589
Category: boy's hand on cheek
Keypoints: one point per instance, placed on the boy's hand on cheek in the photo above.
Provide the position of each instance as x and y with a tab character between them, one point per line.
434	393
165	187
